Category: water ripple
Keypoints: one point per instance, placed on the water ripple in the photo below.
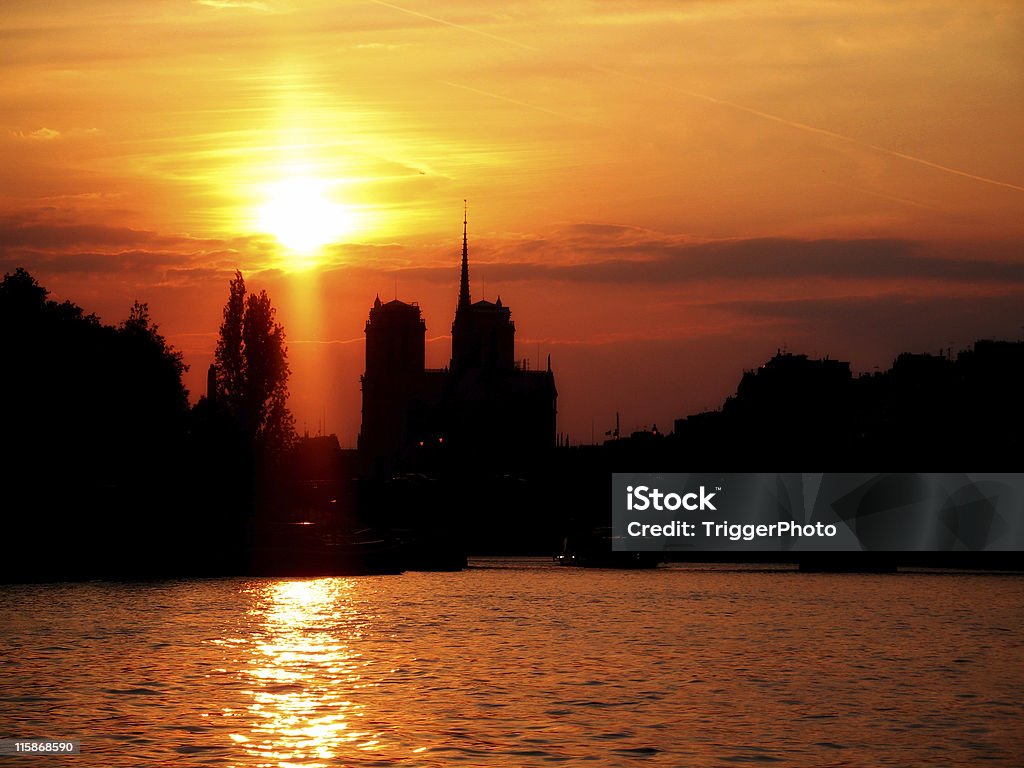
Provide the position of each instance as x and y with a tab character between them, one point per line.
523	666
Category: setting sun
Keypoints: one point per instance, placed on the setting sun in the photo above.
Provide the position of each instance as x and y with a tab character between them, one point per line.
300	214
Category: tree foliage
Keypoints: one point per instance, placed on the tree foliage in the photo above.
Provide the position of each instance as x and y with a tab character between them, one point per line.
252	367
163	364
229	358
68	368
96	422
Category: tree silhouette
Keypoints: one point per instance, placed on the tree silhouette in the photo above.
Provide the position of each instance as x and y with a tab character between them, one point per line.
229	358
252	368
96	421
19	292
155	358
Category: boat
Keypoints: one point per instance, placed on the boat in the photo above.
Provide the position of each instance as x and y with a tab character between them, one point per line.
594	550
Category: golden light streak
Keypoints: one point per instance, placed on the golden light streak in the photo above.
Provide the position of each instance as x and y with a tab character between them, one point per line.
301	713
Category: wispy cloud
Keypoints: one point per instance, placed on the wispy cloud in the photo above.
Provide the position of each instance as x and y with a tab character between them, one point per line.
596	254
814	129
39	134
461	27
251	5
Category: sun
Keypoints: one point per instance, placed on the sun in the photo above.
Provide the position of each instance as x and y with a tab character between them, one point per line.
301	215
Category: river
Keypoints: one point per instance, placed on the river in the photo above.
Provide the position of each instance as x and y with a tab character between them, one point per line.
522	663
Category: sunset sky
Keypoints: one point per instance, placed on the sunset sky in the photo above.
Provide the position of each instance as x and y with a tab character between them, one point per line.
663	192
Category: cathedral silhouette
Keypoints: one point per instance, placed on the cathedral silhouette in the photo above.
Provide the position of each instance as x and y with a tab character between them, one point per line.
484	410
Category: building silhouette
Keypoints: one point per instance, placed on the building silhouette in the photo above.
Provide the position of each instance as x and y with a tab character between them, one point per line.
484	410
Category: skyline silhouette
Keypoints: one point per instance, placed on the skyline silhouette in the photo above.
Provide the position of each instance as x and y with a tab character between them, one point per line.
102	423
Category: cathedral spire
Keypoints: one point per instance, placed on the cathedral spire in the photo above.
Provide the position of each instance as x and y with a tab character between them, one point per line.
464	284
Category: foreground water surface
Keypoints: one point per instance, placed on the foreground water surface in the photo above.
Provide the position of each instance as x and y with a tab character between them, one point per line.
521	663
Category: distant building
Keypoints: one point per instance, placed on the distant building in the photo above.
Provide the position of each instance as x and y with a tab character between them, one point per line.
483	407
789	387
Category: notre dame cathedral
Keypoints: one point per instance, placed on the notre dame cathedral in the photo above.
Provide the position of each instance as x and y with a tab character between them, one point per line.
484	409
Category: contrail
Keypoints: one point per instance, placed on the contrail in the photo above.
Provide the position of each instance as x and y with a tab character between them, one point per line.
821	131
851	140
891	198
712	100
325	342
456	26
562	115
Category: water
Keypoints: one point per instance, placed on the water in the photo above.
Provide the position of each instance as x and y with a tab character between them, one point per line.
522	664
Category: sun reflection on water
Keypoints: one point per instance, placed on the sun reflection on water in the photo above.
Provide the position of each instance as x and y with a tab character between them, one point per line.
304	671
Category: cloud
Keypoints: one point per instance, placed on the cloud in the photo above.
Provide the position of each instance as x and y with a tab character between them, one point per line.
49	246
590	253
50	233
884	310
44	134
622	255
39	134
867	328
251	5
57	236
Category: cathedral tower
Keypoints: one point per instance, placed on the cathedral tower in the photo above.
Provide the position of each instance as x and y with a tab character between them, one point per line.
483	334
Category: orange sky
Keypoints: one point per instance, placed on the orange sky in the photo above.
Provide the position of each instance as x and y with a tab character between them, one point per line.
662	192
